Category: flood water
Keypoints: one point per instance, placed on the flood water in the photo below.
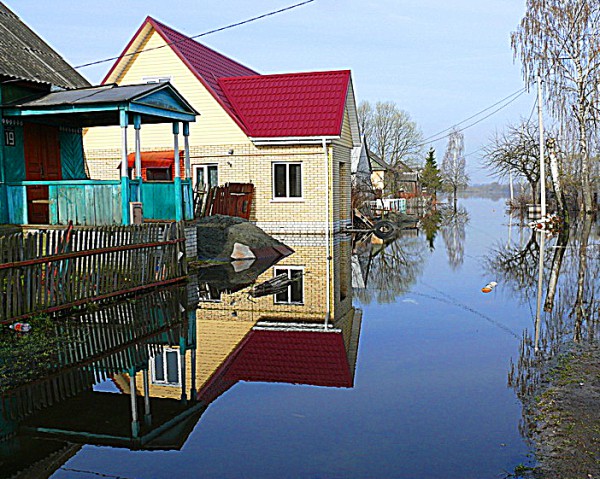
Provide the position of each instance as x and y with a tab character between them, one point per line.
407	378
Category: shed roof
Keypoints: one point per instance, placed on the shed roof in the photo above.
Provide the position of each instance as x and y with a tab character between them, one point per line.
24	55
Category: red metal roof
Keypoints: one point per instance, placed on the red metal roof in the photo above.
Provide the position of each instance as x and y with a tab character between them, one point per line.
289	105
298	357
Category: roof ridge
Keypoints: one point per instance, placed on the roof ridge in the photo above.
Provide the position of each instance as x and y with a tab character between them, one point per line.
188	37
267	76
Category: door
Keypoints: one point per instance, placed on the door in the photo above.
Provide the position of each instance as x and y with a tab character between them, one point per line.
42	162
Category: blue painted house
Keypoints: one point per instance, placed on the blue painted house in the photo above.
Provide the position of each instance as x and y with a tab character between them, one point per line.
44	106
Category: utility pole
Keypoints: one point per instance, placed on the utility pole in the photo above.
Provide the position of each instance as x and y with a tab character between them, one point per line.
542	162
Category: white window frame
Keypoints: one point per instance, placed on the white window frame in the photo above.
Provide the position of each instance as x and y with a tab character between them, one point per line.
164	382
287	198
289	288
203	166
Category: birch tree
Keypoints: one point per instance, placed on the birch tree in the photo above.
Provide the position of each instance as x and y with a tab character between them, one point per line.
560	41
454	176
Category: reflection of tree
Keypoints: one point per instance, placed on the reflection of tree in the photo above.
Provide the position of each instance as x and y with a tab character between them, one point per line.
391	269
515	266
430	223
453	232
572	311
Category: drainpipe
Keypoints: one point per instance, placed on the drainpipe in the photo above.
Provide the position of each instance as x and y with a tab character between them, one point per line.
124	120
327	234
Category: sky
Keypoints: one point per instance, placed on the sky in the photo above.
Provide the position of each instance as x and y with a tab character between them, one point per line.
441	61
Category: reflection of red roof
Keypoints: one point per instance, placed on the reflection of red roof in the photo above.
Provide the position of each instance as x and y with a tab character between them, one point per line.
299	357
289	105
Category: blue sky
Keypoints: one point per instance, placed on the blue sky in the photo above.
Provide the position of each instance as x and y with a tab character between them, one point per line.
441	61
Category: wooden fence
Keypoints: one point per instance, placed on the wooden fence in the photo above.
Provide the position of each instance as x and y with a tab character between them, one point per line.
48	271
232	199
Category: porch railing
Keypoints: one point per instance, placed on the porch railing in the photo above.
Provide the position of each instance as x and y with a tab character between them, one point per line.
49	271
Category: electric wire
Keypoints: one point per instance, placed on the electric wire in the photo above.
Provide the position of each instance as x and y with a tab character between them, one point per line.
430	138
203	34
521	92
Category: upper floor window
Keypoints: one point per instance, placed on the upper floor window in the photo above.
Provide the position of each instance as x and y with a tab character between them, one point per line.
163	79
294	293
287	180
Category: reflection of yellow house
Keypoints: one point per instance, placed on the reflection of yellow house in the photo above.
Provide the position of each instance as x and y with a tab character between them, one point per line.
271	338
291	135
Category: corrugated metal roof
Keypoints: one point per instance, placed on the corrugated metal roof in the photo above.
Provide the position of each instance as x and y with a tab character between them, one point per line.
24	55
290	105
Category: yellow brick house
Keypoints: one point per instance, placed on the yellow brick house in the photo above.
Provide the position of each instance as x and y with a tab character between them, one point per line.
291	134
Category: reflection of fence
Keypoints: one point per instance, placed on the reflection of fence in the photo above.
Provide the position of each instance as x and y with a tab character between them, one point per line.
91	346
233	199
47	271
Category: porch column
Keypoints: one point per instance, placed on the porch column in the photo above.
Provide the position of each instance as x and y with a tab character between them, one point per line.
182	368
177	179
186	147
124	120
135	423
137	124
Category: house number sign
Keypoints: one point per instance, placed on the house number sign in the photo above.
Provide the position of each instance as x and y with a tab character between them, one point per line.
9	136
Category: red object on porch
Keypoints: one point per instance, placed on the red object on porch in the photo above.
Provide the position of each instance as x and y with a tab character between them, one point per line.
159	160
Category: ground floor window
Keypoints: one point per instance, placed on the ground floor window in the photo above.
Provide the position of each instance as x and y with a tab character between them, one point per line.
166	368
287	180
294	293
205	177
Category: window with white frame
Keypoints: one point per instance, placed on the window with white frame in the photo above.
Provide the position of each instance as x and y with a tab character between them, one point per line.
205	177
294	293
166	368
287	180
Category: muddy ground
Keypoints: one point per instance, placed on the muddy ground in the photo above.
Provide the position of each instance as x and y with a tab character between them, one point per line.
564	417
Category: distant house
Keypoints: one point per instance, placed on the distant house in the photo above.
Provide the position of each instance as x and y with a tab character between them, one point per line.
291	134
45	105
399	181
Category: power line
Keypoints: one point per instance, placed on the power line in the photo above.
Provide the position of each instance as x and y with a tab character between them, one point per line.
520	92
427	140
209	32
220	29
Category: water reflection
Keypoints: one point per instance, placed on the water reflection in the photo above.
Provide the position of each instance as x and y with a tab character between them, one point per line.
567	306
140	374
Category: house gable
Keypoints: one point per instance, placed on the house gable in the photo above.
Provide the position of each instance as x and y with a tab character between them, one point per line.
214	126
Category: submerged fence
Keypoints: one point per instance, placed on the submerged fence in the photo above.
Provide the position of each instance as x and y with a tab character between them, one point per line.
46	271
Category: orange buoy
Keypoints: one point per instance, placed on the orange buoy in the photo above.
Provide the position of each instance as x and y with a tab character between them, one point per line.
488	287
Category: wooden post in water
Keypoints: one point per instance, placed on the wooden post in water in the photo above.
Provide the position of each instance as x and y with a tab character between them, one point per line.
147	412
135	423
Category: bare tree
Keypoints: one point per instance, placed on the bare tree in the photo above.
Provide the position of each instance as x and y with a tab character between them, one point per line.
560	41
453	232
454	176
391	134
516	151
